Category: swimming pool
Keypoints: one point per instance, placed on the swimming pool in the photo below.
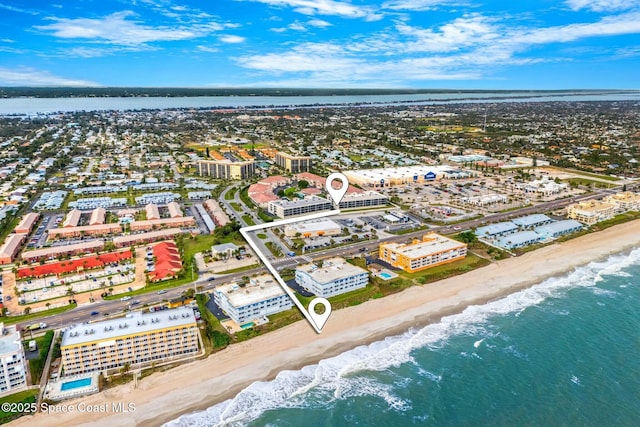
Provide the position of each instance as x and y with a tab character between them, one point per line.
248	325
70	385
385	275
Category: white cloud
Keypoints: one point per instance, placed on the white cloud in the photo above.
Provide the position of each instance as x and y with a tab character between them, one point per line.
469	47
326	7
602	5
420	5
207	49
31	77
232	39
11	8
117	29
319	23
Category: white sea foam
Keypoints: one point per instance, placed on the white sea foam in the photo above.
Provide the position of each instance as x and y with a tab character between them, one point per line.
339	377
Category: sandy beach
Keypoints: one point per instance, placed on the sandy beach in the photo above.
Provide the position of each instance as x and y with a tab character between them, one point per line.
195	386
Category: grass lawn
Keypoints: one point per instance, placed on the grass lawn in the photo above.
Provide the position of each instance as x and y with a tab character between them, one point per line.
443	271
230	195
261	236
239	269
247	218
587	182
27	396
275	249
236	206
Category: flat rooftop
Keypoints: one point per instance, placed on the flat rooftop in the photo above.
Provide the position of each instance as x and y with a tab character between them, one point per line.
332	269
307	201
314	226
262	288
431	243
10	342
135	323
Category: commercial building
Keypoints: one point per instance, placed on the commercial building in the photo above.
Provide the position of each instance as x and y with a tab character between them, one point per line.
519	240
72	219
335	277
366	199
293	164
13	368
85	230
546	187
98	216
389	177
55	251
138	340
432	250
321	227
624	201
142	238
226	169
591	211
287	208
559	228
223	249
261	297
187	221
11	247
27	223
152	211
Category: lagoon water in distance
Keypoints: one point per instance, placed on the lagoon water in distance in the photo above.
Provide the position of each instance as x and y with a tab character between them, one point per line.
35	106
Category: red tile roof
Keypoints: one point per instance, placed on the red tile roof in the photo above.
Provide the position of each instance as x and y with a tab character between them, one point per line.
167	262
62	267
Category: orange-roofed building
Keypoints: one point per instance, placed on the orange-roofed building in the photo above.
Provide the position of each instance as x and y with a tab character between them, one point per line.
167	261
27	223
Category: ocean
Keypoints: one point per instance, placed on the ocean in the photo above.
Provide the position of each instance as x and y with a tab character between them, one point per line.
561	353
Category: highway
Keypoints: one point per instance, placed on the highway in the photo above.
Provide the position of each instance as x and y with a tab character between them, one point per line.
83	314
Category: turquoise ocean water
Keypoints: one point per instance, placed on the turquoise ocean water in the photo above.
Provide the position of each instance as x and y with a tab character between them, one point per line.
565	352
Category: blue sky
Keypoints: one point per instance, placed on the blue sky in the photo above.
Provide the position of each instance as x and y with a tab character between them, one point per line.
485	44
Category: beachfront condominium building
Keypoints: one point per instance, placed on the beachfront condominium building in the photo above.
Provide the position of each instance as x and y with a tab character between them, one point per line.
432	250
287	208
261	297
138	339
13	369
590	212
226	169
334	277
624	201
293	164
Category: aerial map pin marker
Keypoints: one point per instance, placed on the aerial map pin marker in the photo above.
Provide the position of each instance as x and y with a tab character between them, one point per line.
319	319
337	194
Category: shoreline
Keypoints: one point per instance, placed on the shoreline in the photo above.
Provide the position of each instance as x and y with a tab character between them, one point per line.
195	386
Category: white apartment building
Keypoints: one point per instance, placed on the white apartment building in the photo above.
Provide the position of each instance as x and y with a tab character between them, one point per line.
261	297
335	277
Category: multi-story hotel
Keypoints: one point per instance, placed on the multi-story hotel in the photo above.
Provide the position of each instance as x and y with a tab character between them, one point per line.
287	208
226	169
433	250
624	201
335	277
139	339
13	370
293	164
591	211
261	297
